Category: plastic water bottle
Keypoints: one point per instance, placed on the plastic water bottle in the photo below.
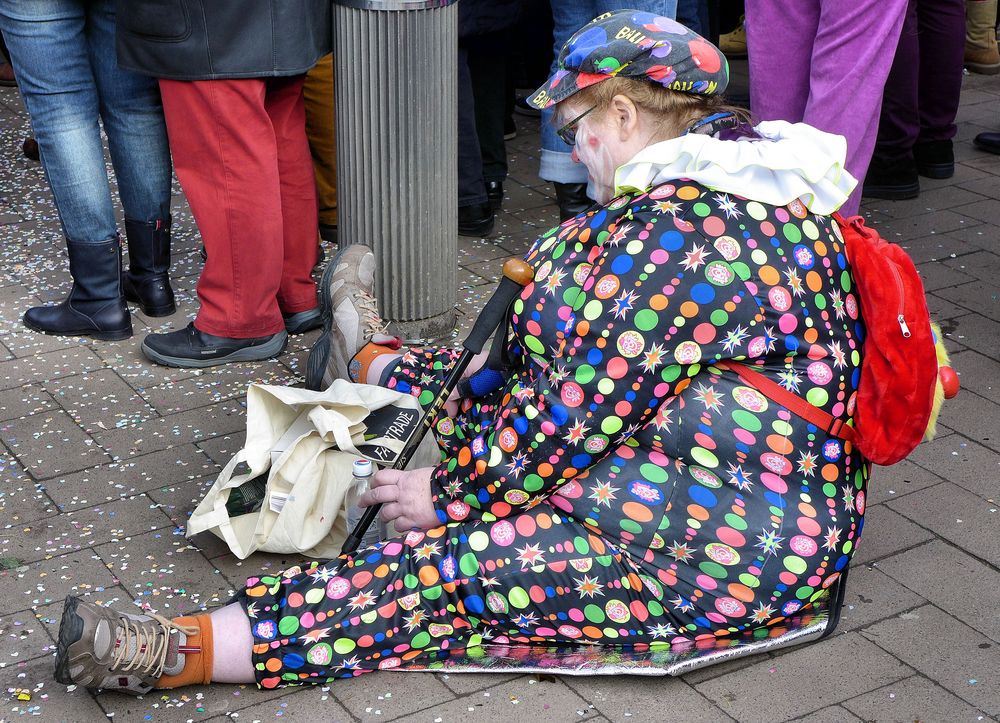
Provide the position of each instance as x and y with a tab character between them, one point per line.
363	473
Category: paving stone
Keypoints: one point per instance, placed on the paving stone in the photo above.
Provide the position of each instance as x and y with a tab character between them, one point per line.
935	276
81	529
100	400
977	332
917	225
307	703
163	573
952	580
179	500
129	476
22	637
50	365
872	596
191	704
887	532
51	443
804	679
939	247
889	483
175	429
913	699
978	296
388	696
48	581
221	449
945	198
24	401
464	683
22	500
973	416
228	382
50	701
979	374
129	363
524	698
627	697
833	714
958	516
962	461
946	651
986	210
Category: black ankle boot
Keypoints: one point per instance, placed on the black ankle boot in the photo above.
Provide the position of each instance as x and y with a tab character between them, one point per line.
935	159
95	306
894	179
572	199
148	263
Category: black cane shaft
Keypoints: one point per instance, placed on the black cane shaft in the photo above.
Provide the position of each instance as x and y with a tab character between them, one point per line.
517	275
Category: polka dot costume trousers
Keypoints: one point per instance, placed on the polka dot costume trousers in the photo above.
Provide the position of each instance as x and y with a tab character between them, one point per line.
548	576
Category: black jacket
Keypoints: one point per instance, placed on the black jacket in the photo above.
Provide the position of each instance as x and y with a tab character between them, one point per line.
214	39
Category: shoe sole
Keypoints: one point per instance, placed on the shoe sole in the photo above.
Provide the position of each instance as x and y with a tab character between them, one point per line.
261	352
892	193
118	335
70	631
319	355
990	69
936	170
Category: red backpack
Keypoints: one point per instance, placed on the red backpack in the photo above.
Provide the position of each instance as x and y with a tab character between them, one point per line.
901	387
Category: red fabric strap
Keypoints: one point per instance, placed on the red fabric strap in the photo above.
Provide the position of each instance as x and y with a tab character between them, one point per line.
793	402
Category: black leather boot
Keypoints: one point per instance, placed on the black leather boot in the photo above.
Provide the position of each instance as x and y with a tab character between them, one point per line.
572	199
148	263
95	306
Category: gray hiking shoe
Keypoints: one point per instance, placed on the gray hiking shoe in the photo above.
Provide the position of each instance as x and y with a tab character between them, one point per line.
103	648
350	316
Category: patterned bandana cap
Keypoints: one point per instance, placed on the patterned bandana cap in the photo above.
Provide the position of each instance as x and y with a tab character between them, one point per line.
635	44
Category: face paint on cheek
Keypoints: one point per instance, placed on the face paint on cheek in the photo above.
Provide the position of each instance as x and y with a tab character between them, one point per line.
594	154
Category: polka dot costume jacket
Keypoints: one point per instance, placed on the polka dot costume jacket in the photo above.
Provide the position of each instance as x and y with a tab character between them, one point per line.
616	407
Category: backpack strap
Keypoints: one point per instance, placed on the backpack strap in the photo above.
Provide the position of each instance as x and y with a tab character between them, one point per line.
793	402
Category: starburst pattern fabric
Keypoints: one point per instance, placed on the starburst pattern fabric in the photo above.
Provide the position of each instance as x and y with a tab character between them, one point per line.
618	488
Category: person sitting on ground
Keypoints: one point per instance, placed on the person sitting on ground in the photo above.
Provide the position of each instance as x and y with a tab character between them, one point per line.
622	486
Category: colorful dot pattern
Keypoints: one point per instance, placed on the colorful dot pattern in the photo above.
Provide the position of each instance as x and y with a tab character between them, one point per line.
619	488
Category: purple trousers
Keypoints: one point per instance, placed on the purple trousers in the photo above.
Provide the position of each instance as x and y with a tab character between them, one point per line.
824	62
925	82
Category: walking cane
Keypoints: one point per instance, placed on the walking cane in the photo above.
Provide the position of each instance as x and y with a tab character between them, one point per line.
516	275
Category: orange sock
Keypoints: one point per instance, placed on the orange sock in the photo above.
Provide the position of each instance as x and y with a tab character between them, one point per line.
197	651
362	361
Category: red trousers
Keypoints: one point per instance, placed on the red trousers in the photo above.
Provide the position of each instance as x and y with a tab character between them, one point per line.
241	154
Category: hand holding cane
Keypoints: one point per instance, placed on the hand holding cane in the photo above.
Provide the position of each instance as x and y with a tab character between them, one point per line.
516	275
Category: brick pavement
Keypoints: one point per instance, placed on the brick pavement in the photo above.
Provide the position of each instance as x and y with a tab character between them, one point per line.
102	456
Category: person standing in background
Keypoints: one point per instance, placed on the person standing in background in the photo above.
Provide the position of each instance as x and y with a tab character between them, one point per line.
568	177
63	53
824	63
231	75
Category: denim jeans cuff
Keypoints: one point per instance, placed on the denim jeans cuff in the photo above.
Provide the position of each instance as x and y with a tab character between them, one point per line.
561	168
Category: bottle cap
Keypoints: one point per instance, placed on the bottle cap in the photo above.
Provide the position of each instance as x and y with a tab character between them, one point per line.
363	468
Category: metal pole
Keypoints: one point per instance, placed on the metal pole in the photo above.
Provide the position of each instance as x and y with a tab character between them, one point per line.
396	101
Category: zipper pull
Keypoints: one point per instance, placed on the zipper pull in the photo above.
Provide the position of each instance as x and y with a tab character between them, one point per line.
903	327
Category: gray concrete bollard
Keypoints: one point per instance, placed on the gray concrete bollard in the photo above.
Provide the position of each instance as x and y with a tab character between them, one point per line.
396	100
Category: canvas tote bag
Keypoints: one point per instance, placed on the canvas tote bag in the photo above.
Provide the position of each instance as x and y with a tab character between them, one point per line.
306	442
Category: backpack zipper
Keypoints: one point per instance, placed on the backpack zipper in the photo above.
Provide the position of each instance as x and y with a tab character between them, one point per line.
900	319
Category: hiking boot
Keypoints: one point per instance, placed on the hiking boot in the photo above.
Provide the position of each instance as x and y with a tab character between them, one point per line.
350	316
981	54
103	648
935	159
190	348
892	179
734	44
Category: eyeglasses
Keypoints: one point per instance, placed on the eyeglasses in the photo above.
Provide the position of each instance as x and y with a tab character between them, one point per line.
568	132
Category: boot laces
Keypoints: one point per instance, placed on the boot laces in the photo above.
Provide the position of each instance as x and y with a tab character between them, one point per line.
367	306
151	646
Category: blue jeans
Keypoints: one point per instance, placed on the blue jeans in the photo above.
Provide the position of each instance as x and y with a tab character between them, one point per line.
63	52
568	16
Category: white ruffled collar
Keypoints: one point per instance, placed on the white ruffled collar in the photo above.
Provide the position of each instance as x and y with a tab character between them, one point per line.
788	161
